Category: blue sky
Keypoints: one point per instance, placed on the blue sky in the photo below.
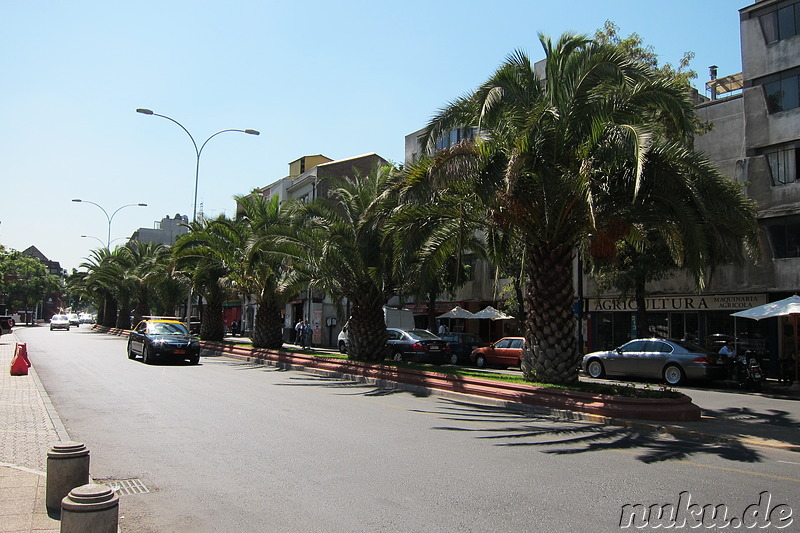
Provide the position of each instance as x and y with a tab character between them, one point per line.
335	78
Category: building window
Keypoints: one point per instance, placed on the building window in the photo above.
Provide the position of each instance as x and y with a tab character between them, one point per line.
784	235
783	163
782	91
455	136
781	23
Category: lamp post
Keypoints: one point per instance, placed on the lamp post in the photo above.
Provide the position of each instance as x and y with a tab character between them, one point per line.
110	218
197	150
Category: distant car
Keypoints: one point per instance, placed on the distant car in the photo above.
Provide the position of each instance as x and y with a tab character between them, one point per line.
505	352
74	319
417	345
59	322
163	338
672	361
86	318
461	346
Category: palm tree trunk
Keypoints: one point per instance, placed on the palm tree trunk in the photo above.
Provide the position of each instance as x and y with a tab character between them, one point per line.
110	316
366	334
551	355
211	323
124	316
268	327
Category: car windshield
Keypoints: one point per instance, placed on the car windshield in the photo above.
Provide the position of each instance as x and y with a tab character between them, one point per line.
60	317
167	328
421	334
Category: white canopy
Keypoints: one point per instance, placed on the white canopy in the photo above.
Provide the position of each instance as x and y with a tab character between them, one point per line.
785	307
491	313
457	312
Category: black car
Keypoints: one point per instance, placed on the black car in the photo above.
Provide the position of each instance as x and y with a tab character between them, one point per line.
163	338
417	345
461	345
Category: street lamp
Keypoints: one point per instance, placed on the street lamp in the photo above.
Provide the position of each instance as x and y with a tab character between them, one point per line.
98	240
197	151
110	218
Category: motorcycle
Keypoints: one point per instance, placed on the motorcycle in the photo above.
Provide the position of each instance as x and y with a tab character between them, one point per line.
747	371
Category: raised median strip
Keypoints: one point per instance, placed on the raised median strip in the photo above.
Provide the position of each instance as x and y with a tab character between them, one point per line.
678	409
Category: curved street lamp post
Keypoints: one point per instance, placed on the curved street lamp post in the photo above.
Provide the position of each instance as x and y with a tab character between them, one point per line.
197	150
110	218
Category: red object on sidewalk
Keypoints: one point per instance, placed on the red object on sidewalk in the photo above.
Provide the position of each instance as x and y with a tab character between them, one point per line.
20	362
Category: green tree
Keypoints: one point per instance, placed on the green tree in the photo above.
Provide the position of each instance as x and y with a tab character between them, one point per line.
207	253
25	281
556	159
265	271
349	255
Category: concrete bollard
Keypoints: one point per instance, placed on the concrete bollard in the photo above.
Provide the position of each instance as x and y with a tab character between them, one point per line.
67	468
90	508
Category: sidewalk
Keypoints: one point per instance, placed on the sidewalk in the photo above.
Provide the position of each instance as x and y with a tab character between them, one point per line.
29	426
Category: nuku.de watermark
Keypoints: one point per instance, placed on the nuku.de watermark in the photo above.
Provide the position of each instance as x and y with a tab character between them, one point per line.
686	514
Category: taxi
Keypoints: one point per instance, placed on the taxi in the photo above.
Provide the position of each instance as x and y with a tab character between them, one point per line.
162	338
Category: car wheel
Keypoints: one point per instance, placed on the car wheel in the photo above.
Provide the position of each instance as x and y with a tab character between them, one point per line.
342	347
397	356
453	358
480	360
51	328
595	369
674	375
131	355
147	357
194	360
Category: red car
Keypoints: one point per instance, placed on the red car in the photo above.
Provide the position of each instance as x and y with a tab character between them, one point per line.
505	352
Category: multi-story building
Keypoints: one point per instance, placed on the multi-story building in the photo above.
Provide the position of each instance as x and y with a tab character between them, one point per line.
165	231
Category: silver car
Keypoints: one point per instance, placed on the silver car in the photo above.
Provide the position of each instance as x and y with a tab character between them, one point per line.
672	361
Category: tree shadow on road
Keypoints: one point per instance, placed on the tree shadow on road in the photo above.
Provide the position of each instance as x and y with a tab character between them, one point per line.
354	387
566	437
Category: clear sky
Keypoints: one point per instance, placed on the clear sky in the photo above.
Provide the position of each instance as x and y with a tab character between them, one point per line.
338	78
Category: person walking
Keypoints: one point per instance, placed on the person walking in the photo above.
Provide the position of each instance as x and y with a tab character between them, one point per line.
298	332
307	335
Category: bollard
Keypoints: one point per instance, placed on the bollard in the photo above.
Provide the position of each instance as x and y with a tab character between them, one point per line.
67	468
90	508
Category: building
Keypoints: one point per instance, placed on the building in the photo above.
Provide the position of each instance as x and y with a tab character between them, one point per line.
166	231
52	304
755	141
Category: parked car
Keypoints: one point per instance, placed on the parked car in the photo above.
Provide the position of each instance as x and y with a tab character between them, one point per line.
461	346
417	345
672	361
74	319
163	338
6	324
505	352
59	322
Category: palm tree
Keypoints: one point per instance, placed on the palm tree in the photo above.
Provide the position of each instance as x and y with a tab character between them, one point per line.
208	253
101	284
562	156
266	270
350	257
144	264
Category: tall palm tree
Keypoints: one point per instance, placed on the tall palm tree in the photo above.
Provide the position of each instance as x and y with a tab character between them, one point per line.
143	269
208	253
562	156
265	271
350	257
101	283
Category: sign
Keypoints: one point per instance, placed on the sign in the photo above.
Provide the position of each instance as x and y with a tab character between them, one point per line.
678	303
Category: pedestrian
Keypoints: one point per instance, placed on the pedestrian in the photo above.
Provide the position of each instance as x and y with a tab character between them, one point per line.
730	358
307	335
298	332
234	327
442	328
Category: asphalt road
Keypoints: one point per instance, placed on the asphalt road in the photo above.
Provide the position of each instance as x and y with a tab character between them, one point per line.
227	446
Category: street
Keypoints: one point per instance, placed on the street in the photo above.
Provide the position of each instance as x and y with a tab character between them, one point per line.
229	446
